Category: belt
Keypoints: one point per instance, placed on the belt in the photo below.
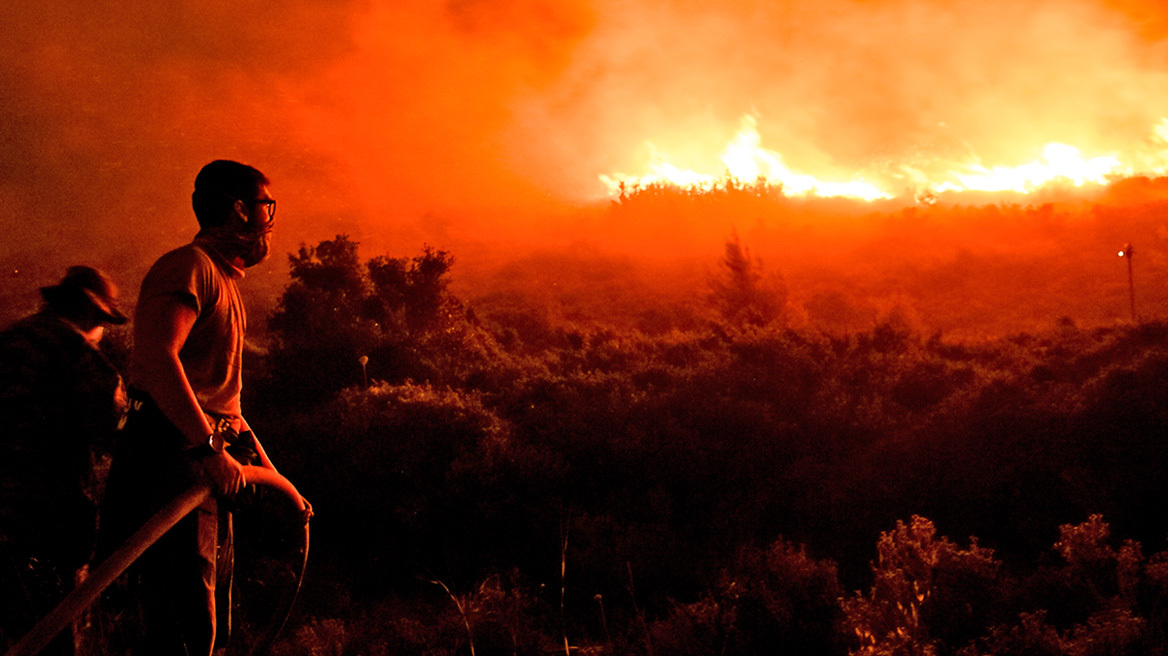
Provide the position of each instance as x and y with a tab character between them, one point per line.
225	423
140	402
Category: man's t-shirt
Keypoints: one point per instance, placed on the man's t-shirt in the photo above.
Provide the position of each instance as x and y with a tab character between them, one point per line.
212	356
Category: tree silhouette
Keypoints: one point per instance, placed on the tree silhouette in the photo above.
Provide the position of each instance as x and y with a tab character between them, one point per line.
337	311
740	291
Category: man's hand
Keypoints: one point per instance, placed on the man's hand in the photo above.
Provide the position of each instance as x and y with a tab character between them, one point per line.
224	472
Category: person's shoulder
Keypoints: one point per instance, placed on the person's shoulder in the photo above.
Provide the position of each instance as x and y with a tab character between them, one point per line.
188	262
22	325
185	272
40	332
187	256
37	324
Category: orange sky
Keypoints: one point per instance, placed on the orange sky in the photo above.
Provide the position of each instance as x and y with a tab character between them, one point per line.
453	123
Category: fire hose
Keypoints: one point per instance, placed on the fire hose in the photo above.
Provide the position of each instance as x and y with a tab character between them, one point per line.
113	566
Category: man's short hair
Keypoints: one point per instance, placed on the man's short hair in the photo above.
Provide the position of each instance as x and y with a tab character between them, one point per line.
217	187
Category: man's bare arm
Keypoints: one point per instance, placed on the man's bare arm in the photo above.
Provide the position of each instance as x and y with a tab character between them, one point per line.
161	328
267	462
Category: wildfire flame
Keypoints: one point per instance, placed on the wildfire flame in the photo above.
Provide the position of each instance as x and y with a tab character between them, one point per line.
746	161
1059	161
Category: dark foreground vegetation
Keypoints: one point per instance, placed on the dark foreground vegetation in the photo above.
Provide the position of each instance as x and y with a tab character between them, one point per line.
499	483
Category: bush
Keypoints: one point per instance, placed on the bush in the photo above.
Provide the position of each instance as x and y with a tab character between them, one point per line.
927	593
383	468
341	323
779	600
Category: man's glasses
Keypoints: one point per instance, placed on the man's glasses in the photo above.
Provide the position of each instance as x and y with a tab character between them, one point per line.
271	207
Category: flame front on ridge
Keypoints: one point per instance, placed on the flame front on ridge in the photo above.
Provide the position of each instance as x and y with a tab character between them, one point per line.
746	161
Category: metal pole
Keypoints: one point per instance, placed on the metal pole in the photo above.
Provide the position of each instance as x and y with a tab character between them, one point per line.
1131	285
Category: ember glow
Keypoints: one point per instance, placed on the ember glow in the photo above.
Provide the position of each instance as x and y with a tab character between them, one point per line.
747	161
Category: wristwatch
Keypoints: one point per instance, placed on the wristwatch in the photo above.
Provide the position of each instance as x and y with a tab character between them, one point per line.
213	445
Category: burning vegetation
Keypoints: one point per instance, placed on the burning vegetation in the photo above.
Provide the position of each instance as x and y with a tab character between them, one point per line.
747	162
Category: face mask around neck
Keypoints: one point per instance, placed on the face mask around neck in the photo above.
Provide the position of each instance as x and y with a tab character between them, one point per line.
250	247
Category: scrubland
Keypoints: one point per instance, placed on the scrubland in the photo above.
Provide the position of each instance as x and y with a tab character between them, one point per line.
738	471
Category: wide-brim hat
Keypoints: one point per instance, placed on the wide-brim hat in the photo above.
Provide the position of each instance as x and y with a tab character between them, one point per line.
85	282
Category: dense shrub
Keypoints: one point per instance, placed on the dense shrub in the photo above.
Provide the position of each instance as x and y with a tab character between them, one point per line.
343	322
386	469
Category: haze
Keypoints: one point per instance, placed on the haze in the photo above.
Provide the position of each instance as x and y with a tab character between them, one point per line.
481	127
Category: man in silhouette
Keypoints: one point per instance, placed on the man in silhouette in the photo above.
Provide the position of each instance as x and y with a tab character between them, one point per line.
185	420
60	402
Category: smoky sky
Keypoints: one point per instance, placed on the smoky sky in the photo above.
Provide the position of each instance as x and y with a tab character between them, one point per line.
403	122
842	86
